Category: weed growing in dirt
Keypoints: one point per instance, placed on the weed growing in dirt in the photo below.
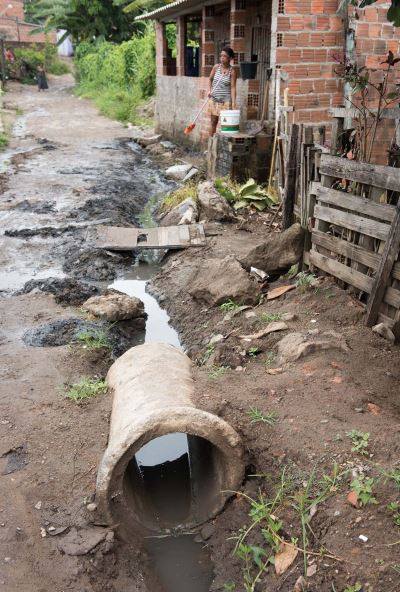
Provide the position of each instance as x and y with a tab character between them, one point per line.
394	509
217	371
360	441
393	475
229	306
257	416
293	271
3	140
173	199
210	349
363	486
253	352
305	281
270	359
356	588
94	339
86	389
269	317
229	586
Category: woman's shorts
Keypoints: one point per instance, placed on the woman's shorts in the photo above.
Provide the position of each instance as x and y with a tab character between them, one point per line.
215	108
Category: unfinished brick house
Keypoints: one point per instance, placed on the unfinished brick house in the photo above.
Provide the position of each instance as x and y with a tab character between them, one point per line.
13	27
300	37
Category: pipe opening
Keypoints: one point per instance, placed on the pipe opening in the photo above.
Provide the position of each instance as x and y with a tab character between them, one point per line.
173	480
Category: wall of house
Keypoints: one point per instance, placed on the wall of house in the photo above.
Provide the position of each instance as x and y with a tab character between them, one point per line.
179	98
309	35
13	30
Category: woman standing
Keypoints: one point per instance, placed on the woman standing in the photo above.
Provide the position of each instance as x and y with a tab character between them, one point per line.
41	79
222	87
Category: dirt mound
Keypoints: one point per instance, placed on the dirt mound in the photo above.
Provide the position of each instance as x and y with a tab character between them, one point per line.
65	290
94	264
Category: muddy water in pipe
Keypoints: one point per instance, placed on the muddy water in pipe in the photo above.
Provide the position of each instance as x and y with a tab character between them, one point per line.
168	464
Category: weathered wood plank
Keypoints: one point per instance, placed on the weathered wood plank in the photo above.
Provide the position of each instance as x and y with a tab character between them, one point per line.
350	250
342	272
396	271
392	297
163	237
387	320
369	174
354	203
389	256
352	222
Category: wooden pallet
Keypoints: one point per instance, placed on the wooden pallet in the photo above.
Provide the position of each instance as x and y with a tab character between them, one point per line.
356	238
118	238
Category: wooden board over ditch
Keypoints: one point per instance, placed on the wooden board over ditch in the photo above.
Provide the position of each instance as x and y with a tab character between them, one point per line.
118	238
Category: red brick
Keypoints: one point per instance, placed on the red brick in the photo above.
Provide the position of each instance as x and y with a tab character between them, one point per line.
362	30
290	40
392	45
291	7
320	85
303	39
306	86
331	6
321	55
297	23
322	23
282	55
375	30
307	55
371	14
283	24
388	31
336	23
317	39
317	7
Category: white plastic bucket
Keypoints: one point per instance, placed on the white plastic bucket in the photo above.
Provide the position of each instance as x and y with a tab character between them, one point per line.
230	120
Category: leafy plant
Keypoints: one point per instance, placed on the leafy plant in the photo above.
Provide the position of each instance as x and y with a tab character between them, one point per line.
270	359
360	441
85	389
394	508
229	306
94	339
217	371
293	271
257	416
269	317
363	487
305	281
356	588
253	351
229	586
248	195
3	140
393	475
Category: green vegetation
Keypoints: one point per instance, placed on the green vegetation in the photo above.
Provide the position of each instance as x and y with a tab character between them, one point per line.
27	60
305	281
242	196
217	372
356	588
86	389
94	339
394	509
269	317
259	543
118	77
253	351
363	486
270	359
360	441
173	199
257	416
229	306
3	140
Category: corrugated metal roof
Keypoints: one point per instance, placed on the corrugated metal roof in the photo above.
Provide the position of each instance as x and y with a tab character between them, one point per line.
167	9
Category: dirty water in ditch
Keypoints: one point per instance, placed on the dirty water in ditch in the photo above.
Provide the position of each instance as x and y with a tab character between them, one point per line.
169	472
179	562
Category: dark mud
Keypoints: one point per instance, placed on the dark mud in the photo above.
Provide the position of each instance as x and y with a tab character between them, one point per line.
60	332
65	290
43	207
94	264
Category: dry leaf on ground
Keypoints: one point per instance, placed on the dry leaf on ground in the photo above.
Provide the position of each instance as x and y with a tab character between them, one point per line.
311	570
274	371
284	558
300	585
276	292
374	409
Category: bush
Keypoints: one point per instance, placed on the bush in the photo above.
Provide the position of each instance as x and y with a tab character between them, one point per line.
28	59
117	77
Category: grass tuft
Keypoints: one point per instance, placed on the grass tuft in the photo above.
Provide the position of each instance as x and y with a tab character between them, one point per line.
173	199
256	416
86	389
94	339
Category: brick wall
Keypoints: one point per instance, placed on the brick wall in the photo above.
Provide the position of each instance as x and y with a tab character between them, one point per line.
13	30
309	34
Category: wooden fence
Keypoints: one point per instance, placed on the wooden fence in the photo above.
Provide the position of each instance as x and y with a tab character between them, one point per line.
353	213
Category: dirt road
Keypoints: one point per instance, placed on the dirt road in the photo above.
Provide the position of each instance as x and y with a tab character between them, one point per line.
69	167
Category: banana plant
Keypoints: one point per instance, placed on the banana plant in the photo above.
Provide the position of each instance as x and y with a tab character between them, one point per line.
251	194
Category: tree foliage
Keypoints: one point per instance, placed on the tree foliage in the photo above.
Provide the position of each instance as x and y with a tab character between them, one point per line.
393	13
84	20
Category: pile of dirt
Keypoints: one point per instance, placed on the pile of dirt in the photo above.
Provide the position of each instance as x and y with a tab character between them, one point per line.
60	332
65	290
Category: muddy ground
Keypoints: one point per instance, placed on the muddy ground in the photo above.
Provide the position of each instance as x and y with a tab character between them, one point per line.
52	447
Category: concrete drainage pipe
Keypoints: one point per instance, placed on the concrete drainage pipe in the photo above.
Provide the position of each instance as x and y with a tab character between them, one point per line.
153	396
